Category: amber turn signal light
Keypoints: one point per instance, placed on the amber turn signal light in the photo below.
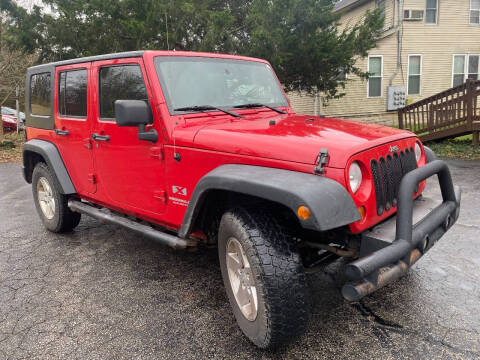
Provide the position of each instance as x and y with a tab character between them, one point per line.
362	211
303	212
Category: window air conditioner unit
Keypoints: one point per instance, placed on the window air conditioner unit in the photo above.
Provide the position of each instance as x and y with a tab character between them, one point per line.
413	15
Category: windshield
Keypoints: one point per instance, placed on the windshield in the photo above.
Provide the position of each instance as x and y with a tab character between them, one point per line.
198	81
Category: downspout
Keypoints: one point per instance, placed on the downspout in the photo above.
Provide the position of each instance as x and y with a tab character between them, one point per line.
399	42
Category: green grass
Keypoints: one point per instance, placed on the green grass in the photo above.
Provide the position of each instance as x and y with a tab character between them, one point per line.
457	148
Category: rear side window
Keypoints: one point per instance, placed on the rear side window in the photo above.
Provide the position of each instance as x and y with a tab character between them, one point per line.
40	95
72	93
123	82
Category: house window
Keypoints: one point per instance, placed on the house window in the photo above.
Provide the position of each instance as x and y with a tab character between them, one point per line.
475	12
375	70
414	74
380	4
431	12
473	61
458	70
465	67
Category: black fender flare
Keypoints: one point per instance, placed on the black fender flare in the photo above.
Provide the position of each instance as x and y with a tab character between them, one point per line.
429	154
49	152
330	204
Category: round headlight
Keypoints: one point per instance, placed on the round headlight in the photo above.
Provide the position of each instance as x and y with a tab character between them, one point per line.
355	176
418	152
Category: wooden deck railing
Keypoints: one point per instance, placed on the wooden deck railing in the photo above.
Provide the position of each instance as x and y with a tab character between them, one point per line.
453	112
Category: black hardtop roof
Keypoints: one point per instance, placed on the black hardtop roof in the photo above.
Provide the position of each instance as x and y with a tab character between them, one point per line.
119	55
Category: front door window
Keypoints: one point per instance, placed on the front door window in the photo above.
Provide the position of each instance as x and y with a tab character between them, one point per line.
123	82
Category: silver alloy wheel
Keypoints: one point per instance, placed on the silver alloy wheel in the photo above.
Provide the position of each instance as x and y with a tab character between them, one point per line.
241	279
45	198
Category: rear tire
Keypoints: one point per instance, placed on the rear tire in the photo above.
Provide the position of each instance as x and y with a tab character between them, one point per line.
50	203
275	276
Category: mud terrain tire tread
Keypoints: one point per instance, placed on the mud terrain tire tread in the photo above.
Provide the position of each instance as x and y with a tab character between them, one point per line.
279	276
64	220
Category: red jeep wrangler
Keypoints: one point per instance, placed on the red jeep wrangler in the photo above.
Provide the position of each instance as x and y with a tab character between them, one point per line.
190	148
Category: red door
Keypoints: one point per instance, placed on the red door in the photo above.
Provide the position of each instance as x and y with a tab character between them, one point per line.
73	122
129	171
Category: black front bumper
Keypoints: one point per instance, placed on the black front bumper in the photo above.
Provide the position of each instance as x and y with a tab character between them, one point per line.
411	241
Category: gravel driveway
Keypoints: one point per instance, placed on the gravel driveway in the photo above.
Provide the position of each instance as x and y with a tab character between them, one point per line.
102	292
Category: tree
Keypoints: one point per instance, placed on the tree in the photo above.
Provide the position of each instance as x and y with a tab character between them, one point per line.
302	41
90	27
299	37
13	65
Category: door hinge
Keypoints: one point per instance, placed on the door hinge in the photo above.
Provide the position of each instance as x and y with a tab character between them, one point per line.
160	195
156	153
92	178
322	160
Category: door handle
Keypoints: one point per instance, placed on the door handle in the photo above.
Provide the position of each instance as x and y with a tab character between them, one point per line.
100	137
61	132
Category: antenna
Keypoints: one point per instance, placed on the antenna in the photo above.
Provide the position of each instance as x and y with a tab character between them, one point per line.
166	26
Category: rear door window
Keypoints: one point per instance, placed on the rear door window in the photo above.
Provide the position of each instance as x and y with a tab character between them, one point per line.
40	95
72	93
123	82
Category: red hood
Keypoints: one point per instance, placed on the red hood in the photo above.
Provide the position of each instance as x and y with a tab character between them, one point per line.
295	138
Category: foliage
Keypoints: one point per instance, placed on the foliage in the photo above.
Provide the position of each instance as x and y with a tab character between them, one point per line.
13	65
301	38
457	148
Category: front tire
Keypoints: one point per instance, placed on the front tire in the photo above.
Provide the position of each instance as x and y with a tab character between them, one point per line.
50	203
263	276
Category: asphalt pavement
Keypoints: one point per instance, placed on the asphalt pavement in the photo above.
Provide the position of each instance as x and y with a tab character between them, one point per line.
102	292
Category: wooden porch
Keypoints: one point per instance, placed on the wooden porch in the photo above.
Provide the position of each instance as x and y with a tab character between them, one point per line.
448	114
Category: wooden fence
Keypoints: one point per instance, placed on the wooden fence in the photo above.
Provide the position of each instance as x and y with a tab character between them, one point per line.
451	113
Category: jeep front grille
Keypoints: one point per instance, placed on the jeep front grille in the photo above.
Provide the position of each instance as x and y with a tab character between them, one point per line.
387	172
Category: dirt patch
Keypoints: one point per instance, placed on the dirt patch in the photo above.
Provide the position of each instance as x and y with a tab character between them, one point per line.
11	147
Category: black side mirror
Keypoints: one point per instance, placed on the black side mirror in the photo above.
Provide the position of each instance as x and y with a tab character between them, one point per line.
136	113
132	113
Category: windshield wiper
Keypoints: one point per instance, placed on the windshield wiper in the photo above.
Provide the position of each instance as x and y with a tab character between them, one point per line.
256	105
205	108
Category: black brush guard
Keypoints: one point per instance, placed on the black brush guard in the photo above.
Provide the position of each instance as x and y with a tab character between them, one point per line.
386	265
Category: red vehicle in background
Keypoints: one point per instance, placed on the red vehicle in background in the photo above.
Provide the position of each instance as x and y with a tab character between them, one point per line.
9	123
197	148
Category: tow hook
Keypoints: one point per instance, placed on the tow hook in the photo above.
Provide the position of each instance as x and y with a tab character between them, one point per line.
322	160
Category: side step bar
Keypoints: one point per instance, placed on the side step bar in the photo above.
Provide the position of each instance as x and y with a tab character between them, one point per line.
145	230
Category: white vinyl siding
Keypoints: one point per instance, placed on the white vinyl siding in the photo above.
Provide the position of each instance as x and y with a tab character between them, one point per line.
431	12
475	12
465	67
375	69
414	74
437	44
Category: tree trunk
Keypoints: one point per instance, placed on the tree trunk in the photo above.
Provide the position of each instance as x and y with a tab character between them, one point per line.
17	105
